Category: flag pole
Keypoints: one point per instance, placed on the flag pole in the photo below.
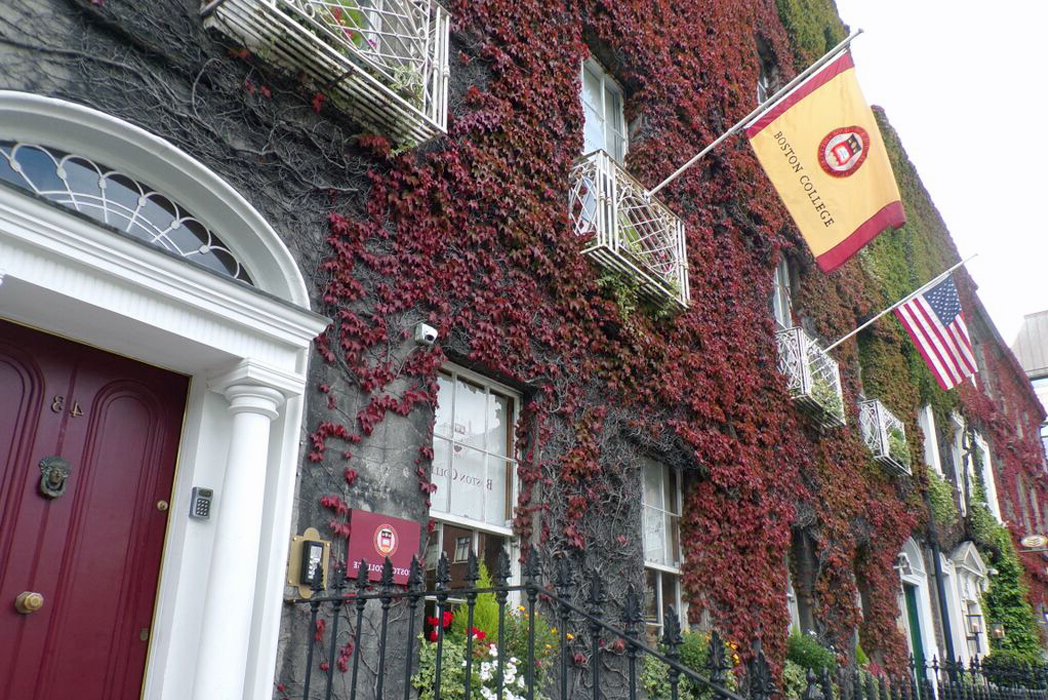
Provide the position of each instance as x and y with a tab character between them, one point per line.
742	123
902	301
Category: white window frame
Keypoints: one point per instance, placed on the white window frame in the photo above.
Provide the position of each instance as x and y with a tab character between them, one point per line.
663	570
988	478
607	83
505	528
791	603
957	454
479	526
926	420
764	90
781	303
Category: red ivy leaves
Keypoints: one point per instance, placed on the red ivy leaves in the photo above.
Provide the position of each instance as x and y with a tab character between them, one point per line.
472	236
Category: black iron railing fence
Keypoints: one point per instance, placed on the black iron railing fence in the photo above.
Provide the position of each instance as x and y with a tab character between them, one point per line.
366	640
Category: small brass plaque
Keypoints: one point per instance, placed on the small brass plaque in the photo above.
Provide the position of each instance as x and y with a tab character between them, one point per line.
295	557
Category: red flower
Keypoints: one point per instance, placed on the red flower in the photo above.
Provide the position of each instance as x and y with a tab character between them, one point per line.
448	617
431	621
433	635
478	634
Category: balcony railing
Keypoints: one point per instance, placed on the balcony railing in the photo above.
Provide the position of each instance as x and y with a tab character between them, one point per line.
383	61
812	376
885	435
629	231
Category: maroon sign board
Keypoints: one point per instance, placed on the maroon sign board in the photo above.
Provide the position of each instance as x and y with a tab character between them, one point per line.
375	536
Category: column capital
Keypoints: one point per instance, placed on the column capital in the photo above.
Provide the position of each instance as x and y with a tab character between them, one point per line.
253	373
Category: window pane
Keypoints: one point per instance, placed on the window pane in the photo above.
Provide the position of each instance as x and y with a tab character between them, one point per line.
453	541
500	424
651	595
654	536
593	134
467	483
441	474
613	108
496	495
653	484
616	146
673	541
445	393
669	594
591	89
470	412
652	628
490	546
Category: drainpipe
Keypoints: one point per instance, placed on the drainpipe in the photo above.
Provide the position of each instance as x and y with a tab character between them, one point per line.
940	588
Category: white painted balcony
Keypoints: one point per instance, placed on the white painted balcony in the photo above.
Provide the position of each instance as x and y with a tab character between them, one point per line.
885	435
384	62
627	230
812	376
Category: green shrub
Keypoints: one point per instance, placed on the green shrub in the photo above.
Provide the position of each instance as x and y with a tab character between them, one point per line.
860	656
807	653
794	680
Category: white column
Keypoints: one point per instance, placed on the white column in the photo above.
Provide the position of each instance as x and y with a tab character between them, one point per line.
229	602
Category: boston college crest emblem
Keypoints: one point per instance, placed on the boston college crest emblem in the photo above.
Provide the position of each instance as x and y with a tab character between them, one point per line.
385	540
843	151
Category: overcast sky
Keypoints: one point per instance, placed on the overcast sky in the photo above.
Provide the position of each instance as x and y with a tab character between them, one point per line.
964	84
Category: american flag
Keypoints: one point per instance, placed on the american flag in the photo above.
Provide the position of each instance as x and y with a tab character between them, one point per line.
935	322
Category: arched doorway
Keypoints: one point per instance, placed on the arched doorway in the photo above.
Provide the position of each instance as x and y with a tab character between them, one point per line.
915	604
86	279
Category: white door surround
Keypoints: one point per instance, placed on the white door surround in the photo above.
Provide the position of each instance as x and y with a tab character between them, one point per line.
246	350
912	572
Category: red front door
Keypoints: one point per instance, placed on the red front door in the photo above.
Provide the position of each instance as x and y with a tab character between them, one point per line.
89	545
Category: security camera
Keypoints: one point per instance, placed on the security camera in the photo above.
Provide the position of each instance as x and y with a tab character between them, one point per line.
425	334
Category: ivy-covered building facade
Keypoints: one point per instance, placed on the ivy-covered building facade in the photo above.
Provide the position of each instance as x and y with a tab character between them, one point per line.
267	265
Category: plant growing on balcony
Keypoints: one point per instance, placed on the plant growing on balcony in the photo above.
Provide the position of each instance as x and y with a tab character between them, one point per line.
826	396
898	448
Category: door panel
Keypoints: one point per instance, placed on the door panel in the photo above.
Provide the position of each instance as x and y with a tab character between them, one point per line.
94	551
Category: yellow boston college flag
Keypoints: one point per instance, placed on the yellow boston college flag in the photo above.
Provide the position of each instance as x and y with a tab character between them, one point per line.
821	148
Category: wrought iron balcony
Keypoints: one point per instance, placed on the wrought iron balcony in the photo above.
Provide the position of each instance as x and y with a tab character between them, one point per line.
885	435
812	376
383	61
627	230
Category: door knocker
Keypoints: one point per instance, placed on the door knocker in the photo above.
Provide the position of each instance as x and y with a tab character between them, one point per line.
53	474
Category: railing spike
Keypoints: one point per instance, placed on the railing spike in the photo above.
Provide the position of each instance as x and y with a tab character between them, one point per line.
761	685
472	569
597	596
717	659
362	576
443	571
565	579
531	568
414	575
502	569
387	574
811	690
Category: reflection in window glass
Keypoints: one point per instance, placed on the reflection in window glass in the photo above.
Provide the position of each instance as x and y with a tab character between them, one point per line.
602	107
473	463
661	514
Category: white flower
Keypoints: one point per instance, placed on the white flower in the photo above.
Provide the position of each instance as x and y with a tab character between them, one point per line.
487	694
